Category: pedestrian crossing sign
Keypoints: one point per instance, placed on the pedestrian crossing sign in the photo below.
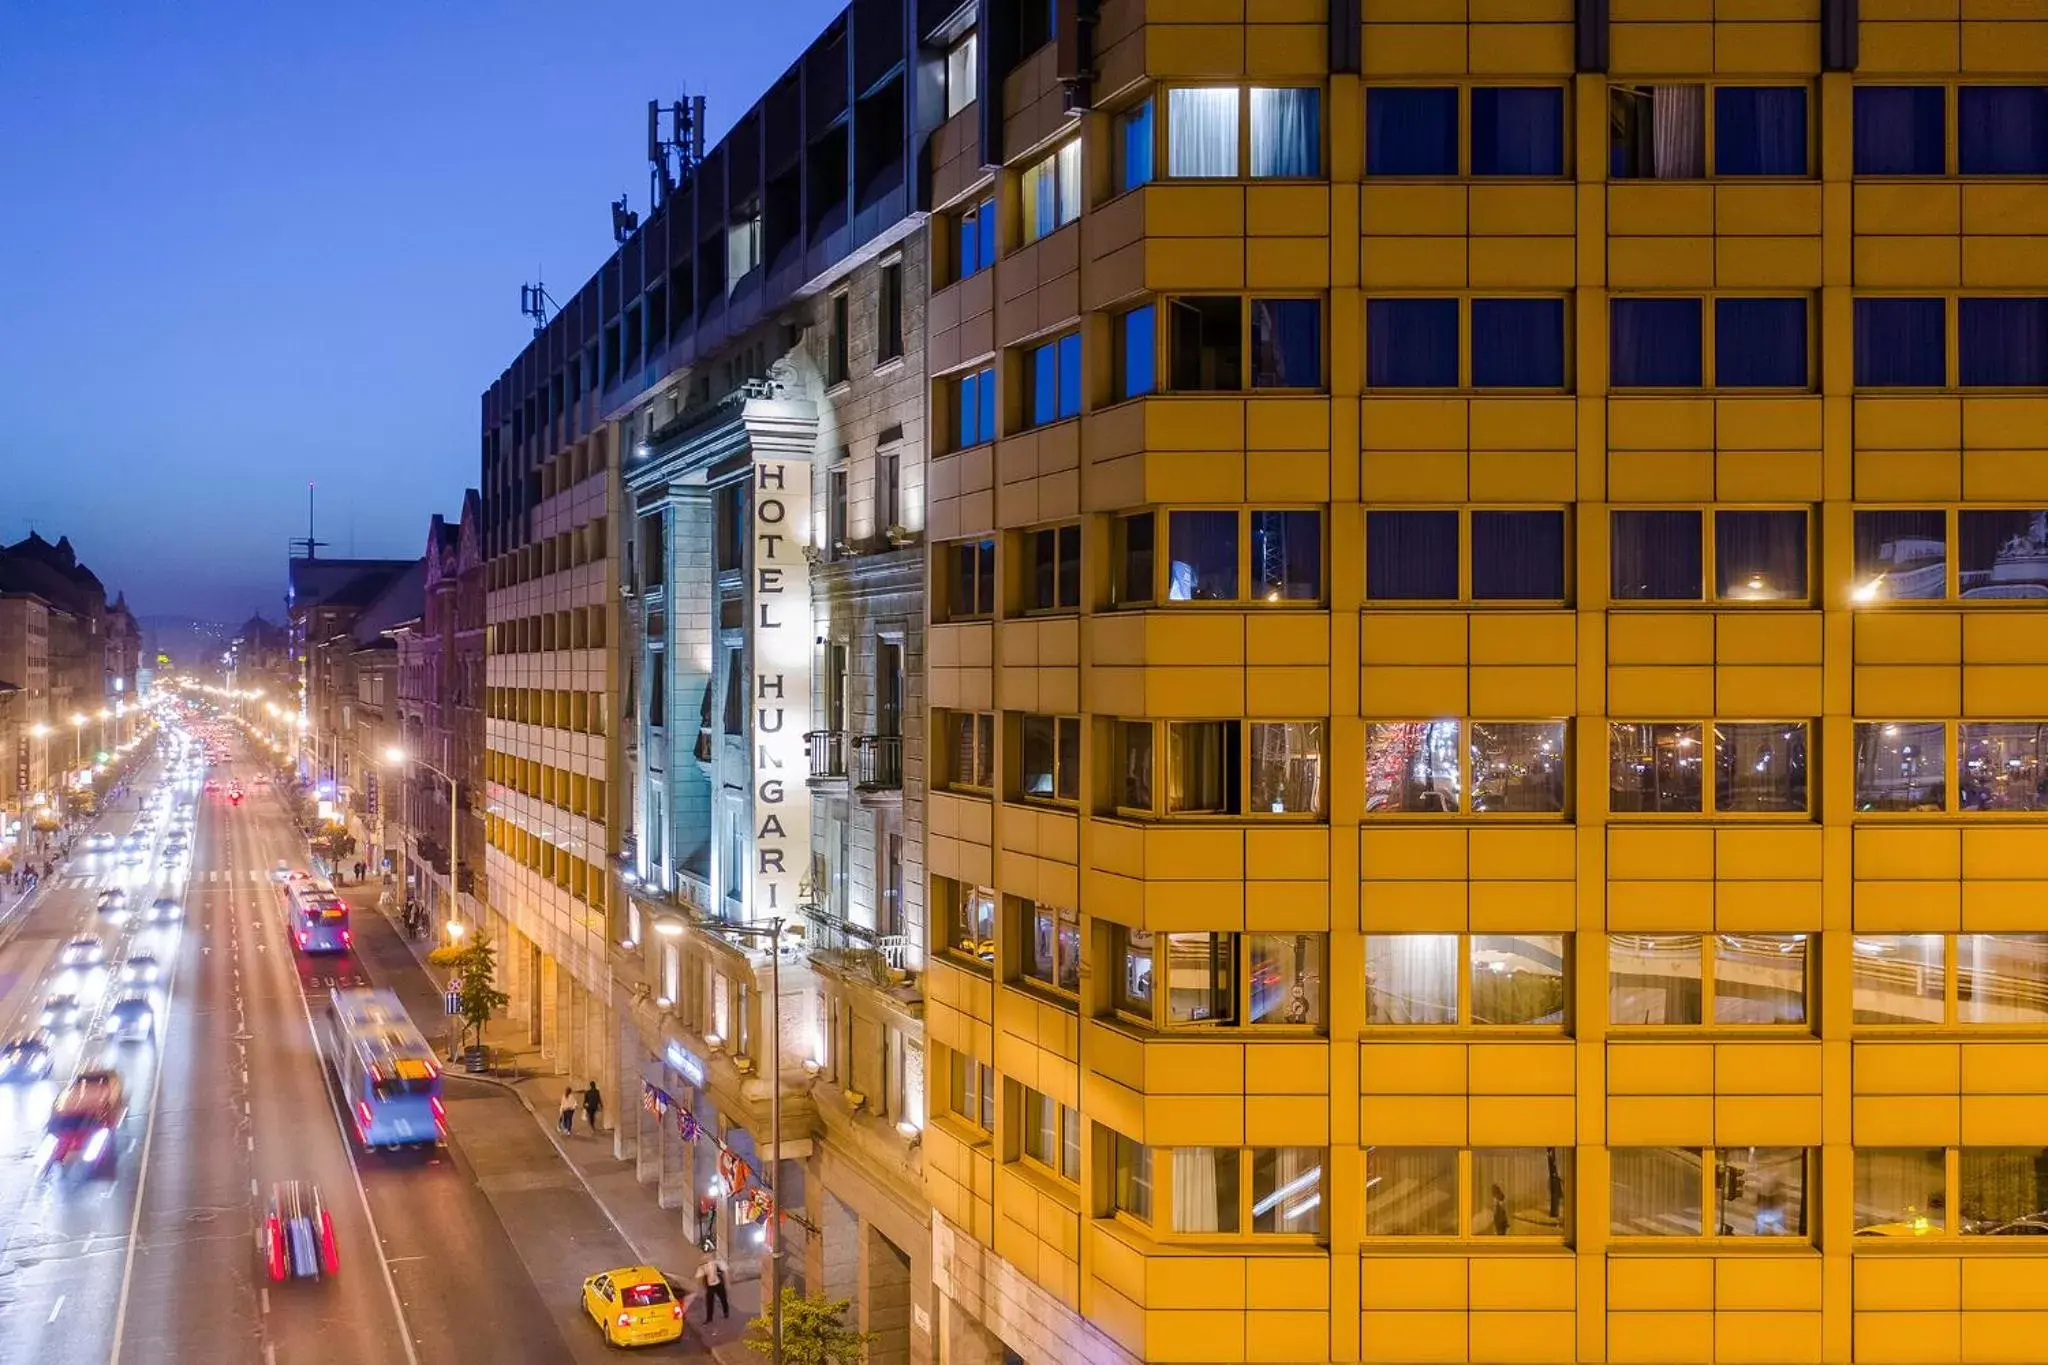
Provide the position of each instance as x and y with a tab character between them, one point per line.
454	999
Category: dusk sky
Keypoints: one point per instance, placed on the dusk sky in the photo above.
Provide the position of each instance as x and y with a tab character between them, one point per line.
249	245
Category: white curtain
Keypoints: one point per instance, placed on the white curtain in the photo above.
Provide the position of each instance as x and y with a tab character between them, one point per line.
1198	1195
1286	134
1069	174
1201	132
1411	979
1041	200
1678	115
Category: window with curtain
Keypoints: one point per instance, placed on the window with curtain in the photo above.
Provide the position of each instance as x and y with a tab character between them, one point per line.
1518	343
1202	767
1201	132
1901	343
971	736
1901	766
1411	556
1759	130
1205	344
1998	978
1760	767
1900	554
1052	192
1518	556
1517	130
1901	1190
975	401
1654	344
1899	978
1655	556
2001	1191
1136	361
1412	978
1521	1191
1655	769
1990	543
1411	343
1287	343
1760	344
1655	1191
1411	130
1287	556
1760	556
2002	342
1286	132
1411	1192
1900	130
1201	551
1205	1189
2002	130
978	238
1053	380
1412	768
961	73
1131	1177
1134	147
1287	1190
1657	132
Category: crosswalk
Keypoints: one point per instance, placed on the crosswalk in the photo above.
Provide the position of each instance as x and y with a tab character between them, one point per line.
214	877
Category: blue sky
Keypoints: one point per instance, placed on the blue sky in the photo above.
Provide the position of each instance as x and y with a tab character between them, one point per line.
251	245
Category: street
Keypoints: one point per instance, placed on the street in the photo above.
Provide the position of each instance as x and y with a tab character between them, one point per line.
471	1253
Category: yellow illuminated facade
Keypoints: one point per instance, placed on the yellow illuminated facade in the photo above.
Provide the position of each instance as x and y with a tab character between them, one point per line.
1488	683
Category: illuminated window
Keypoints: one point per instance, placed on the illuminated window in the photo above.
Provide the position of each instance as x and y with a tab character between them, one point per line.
1502	768
1486	1192
1481	980
1219	980
1656	979
1670	1191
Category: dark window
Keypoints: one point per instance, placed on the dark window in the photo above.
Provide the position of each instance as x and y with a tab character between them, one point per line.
1657	132
1518	343
1759	130
1134	147
1760	556
2002	130
835	362
1901	343
1992	543
1137	352
1052	376
1654	344
888	490
2002	342
1206	344
1411	343
1411	131
976	401
1287	343
1655	556
1056	568
889	313
1517	130
1287	556
974	578
735	692
1901	554
1135	536
1518	556
1201	550
1411	556
1899	130
835	511
1760	344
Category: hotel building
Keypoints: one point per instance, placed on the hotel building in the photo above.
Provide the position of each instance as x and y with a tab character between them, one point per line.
1487	682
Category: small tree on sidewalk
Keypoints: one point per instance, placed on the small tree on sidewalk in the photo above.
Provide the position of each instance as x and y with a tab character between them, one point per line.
476	985
814	1332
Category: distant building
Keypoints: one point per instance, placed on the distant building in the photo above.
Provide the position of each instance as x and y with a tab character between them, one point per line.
324	600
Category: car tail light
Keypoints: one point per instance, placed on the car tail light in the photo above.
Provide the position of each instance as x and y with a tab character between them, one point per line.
276	1253
625	1319
346	939
440	1113
302	940
330	1255
363	1118
676	1312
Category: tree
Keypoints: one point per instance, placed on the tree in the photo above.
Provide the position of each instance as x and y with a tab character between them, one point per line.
814	1332
476	988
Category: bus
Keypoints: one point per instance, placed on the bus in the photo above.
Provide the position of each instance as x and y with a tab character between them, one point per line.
389	1077
317	917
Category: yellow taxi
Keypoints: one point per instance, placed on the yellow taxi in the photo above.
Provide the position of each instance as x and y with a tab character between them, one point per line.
635	1305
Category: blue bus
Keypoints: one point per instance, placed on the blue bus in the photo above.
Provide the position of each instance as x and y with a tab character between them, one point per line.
316	916
389	1077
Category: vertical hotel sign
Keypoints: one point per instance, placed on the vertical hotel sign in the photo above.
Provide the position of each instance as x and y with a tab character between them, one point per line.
781	667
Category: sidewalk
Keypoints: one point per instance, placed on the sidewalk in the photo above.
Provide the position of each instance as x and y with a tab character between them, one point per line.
657	1236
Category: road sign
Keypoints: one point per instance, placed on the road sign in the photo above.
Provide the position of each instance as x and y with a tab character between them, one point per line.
454	1001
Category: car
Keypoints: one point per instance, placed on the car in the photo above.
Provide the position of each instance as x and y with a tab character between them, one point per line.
113	904
132	1018
80	1134
84	951
296	1238
133	840
212	785
634	1305
165	910
102	842
141	969
177	836
282	872
177	855
133	857
25	1059
62	1011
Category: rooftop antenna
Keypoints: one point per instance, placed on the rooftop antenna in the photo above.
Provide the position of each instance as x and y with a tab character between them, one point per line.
671	160
534	303
625	222
307	542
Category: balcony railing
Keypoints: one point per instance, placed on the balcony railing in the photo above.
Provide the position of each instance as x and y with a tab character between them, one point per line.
835	942
878	763
827	750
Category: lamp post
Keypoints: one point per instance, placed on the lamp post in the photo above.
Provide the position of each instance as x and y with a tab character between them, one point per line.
772	931
396	756
77	738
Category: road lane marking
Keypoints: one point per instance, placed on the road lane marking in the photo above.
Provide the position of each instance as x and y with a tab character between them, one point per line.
55	1309
252	1142
263	1298
253	1191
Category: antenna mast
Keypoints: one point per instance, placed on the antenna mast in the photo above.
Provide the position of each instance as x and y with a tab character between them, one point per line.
671	160
307	542
534	303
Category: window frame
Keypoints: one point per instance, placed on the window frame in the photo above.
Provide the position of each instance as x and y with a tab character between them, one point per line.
1467	968
1159	1020
1863	595
1952	995
1468	1199
1465	513
1159	1227
1710	131
987	587
1951	771
1464	299
1034	541
1161	99
1464	89
1808	1026
1713	1165
1465	772
1951	301
1162	342
1162	562
1028	1102
955	899
1061	724
1066	407
981	216
959	388
987	742
1710	596
1065	215
1710	728
971	1081
1162	744
1025	915
1709	301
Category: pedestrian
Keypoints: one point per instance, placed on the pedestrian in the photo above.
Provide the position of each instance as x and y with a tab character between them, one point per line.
359	870
1556	1186
712	1273
593	1105
567	1122
1500	1212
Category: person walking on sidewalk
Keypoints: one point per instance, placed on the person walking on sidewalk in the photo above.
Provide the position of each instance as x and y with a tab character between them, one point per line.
712	1273
593	1105
568	1119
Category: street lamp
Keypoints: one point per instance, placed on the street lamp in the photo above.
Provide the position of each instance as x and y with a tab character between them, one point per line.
397	757
77	738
